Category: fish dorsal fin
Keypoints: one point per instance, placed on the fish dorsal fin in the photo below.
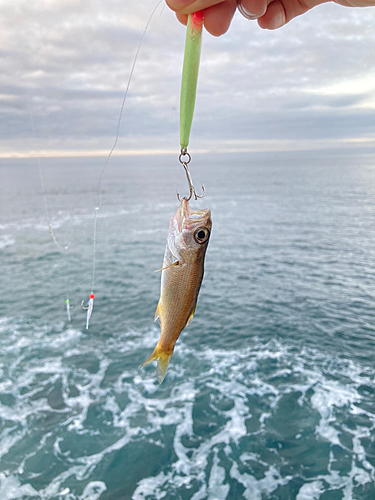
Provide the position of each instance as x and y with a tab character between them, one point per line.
158	311
177	263
190	319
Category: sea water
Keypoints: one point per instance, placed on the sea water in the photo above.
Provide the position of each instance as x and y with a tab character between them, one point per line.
270	394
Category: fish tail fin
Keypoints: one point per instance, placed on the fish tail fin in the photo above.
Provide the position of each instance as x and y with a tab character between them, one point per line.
163	358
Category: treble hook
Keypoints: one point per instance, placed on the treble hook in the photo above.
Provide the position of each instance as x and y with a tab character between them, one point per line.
185	164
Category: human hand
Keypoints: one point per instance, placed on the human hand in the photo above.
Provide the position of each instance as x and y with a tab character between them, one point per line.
271	14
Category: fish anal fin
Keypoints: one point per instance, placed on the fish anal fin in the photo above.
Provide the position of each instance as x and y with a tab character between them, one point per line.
163	358
176	263
190	318
158	311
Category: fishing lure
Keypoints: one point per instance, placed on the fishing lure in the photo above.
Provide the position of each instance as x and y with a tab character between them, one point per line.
89	309
189	82
189	79
68	309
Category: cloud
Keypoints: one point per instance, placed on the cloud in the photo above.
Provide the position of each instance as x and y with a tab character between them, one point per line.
64	66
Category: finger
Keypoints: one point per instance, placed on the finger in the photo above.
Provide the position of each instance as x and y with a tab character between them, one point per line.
218	18
183	18
275	16
280	12
190	6
255	8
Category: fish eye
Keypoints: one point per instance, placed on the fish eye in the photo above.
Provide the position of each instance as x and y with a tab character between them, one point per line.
201	235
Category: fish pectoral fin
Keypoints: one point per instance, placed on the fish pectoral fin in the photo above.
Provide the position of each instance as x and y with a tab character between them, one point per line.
177	263
190	318
163	358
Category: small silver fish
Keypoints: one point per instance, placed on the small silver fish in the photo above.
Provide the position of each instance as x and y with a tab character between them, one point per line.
181	278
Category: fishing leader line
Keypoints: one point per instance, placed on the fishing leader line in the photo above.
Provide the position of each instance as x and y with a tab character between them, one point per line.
62	248
90	303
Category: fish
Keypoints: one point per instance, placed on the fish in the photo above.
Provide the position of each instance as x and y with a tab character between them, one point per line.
181	279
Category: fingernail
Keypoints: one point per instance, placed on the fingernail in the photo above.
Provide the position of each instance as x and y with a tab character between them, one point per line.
246	13
180	4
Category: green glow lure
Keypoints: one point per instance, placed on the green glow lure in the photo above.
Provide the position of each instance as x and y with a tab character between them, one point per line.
68	307
190	76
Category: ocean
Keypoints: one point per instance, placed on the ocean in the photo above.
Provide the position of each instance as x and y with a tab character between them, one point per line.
270	391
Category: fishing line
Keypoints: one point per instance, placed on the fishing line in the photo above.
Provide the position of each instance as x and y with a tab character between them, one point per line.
61	248
99	199
124	101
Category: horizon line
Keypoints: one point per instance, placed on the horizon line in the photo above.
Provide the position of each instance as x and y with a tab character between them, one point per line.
226	147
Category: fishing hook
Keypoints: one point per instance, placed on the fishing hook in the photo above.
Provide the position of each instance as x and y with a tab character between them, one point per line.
185	164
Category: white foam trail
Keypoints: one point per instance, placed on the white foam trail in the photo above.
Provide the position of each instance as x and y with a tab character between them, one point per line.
93	490
310	491
217	488
255	488
6	240
11	488
326	399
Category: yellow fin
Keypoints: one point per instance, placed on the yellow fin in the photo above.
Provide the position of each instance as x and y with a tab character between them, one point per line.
163	358
158	311
190	319
177	263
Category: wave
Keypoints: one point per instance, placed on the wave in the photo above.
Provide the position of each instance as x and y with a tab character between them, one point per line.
268	419
6	240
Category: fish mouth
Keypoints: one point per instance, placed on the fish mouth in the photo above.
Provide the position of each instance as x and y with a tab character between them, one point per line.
186	217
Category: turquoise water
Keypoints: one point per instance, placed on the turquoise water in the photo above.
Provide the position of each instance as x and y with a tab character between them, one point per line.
270	391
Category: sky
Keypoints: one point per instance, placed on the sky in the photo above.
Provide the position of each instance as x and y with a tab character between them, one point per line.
65	65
